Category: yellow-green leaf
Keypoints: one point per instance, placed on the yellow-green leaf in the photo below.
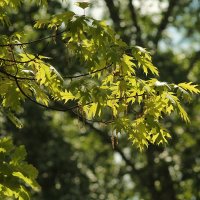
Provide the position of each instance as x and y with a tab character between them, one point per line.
189	87
92	110
66	96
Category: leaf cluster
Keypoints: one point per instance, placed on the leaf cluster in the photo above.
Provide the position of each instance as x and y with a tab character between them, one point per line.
16	176
111	91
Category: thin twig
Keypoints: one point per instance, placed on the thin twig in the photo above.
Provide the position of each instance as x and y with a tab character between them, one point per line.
28	97
89	73
16	77
17	61
34	41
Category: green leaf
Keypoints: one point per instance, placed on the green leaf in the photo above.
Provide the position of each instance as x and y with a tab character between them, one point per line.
66	96
189	87
183	113
26	180
144	60
43	73
18	155
82	5
16	173
127	63
92	110
114	106
14	119
162	136
174	100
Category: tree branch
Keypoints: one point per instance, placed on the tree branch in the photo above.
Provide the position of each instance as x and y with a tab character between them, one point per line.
65	77
114	14
32	42
135	22
164	22
105	138
17	61
42	105
62	109
16	77
89	73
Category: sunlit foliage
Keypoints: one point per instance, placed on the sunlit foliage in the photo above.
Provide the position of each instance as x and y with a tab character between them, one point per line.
119	85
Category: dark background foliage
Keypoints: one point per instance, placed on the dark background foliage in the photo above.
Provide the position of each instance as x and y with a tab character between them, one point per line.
75	159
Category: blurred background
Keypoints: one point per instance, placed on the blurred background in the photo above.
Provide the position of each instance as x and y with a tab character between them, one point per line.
75	159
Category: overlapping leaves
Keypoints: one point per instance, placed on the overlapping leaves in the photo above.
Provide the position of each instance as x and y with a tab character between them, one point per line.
109	90
16	175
